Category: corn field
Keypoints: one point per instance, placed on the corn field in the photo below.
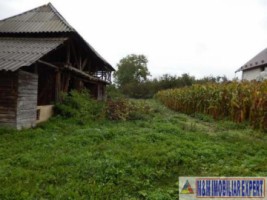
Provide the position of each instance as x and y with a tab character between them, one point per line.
245	101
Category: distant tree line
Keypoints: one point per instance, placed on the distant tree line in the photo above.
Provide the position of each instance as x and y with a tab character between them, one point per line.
131	79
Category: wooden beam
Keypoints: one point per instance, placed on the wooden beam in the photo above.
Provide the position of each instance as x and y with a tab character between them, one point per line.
84	63
80	63
48	64
81	73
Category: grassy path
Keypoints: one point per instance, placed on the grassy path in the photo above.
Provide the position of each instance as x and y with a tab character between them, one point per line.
139	159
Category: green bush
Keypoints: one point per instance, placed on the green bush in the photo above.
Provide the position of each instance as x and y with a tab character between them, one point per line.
80	105
113	92
123	109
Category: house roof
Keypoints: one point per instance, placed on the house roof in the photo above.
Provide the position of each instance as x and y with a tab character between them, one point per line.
19	52
43	19
259	60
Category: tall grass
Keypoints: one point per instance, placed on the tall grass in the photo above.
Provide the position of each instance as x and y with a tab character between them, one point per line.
131	159
245	101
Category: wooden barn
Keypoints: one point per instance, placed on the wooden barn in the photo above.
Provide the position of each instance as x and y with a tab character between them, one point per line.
41	55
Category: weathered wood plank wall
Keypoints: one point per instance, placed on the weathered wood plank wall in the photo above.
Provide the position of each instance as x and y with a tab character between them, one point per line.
8	98
27	99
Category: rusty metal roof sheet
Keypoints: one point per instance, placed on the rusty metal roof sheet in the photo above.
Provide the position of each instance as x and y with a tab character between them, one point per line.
19	52
39	20
258	60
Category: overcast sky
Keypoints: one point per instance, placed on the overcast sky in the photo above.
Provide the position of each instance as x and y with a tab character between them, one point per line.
199	37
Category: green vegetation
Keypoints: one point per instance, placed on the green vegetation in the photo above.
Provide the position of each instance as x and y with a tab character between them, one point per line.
118	159
131	69
80	105
131	79
240	102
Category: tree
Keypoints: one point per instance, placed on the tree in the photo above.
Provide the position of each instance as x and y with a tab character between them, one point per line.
132	69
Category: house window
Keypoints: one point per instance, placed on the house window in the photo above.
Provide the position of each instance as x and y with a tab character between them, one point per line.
262	69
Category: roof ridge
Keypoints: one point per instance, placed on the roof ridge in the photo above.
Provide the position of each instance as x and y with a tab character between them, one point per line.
24	12
60	16
32	16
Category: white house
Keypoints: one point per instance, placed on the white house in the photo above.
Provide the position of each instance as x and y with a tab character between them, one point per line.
256	68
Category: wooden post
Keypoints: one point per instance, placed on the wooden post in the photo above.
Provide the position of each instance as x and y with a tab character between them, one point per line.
66	82
84	63
35	68
100	92
57	86
68	54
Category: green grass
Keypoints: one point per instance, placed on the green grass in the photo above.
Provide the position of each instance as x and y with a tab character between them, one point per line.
139	159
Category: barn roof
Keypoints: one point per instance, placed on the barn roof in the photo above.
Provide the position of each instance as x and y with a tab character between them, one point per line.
258	60
19	52
39	20
43	20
